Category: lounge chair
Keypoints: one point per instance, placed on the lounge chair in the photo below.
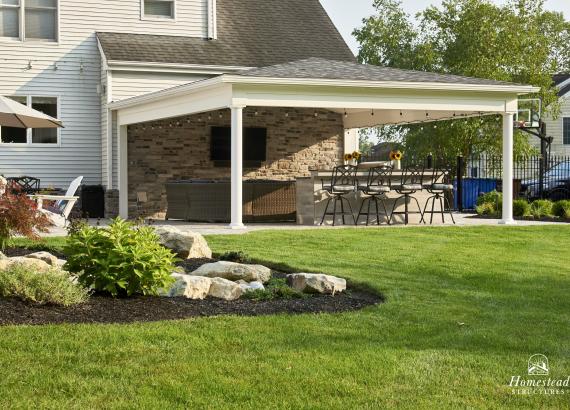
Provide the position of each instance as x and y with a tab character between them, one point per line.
61	209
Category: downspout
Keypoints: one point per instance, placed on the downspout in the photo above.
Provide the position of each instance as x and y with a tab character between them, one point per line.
212	20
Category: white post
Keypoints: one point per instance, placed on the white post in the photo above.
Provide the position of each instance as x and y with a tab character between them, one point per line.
123	170
508	165
237	168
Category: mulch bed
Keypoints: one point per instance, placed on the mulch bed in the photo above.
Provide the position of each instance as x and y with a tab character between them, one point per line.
104	309
11	252
524	218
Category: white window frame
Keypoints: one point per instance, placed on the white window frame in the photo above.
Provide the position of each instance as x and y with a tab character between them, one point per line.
19	8
29	131
22	16
159	18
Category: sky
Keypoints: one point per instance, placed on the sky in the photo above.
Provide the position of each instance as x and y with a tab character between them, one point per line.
348	14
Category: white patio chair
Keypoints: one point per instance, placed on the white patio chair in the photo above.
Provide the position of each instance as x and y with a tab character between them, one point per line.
59	212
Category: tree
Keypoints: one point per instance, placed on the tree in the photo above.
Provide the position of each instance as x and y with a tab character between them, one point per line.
518	42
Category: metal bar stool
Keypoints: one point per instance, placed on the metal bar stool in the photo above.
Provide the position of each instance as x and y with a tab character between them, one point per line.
440	187
343	182
410	183
377	186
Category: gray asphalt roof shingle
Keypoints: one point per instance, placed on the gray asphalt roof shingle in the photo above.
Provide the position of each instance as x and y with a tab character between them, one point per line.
251	33
343	70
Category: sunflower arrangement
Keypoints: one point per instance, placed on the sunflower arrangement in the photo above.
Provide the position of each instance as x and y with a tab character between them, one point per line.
396	155
355	156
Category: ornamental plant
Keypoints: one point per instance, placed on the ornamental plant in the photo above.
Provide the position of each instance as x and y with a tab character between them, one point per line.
121	260
19	215
541	208
562	209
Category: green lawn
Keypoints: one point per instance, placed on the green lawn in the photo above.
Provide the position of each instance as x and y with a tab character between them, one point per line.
465	309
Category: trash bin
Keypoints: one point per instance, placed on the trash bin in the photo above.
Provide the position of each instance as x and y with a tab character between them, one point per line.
93	201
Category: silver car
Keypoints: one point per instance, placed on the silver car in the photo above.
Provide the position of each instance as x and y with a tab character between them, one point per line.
556	182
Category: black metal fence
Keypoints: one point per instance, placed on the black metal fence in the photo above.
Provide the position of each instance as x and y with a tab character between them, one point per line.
534	177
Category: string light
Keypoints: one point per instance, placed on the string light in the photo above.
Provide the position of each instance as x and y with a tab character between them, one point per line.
372	113
286	114
316	114
345	114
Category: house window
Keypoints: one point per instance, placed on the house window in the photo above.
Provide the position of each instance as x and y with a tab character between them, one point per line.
159	8
50	136
39	20
10	18
566	131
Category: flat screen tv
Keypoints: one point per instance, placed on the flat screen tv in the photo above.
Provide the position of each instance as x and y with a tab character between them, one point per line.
254	146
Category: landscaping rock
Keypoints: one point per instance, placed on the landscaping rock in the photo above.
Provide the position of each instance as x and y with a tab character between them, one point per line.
225	289
185	244
36	265
316	283
250	287
2	256
190	287
234	271
46	257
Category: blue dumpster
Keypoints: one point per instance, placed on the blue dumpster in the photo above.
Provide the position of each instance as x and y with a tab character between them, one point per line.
472	188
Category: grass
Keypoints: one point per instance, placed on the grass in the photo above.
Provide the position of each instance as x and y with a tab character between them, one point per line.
465	309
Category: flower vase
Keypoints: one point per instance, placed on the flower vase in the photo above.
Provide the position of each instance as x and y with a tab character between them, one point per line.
397	165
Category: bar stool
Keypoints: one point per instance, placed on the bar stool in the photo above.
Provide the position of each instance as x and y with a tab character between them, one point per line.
410	183
439	188
378	184
343	182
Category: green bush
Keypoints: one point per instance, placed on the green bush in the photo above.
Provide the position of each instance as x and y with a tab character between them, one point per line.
53	287
541	208
521	207
235	256
122	259
490	204
275	289
561	209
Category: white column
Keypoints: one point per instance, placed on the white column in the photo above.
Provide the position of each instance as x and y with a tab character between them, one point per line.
508	164
237	168
123	170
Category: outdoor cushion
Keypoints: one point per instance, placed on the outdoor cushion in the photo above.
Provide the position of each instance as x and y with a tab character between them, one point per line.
442	187
411	187
343	188
378	188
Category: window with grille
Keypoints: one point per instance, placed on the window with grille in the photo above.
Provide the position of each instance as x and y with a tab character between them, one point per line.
47	105
158	8
39	20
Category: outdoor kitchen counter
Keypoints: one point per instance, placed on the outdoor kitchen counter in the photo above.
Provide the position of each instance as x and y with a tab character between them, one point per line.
311	200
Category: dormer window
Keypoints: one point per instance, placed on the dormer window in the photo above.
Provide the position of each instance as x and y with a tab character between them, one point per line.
158	9
29	19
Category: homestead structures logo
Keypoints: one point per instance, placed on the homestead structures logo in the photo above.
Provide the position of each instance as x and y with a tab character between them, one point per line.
538	381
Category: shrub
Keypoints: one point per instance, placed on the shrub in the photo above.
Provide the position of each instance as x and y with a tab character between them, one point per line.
541	208
275	289
561	209
490	204
53	287
19	215
486	209
122	259
521	207
235	256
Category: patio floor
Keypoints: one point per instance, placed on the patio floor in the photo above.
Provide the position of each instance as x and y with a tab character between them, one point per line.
222	229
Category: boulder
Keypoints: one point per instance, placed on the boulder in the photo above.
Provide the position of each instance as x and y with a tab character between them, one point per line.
250	287
2	256
225	289
190	287
316	283
46	257
234	271
185	244
36	265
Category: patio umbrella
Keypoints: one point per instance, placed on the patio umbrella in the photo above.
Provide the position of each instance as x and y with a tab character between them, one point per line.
14	114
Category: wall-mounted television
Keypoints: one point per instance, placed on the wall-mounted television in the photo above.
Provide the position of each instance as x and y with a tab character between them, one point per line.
254	146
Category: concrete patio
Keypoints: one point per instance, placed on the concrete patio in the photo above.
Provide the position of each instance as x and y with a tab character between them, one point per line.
222	229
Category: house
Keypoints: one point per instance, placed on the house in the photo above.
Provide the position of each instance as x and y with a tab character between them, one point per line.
152	91
559	128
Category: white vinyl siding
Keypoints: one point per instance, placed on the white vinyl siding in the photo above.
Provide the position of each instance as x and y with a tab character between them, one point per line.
555	129
71	70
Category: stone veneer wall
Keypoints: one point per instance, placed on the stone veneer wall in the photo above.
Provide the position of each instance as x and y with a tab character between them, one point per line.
158	152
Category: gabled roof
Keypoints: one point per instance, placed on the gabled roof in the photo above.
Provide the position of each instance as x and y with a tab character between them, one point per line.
318	68
251	33
562	80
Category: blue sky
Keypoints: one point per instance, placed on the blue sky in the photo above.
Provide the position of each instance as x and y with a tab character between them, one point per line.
348	14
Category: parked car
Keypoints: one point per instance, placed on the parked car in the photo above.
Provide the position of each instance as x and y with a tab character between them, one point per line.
555	184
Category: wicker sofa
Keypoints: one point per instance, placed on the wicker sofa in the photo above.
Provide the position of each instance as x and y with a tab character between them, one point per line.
209	201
